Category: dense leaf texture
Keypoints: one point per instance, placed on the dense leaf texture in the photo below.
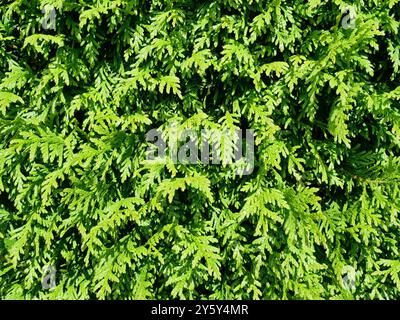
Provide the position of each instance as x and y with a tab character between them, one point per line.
77	194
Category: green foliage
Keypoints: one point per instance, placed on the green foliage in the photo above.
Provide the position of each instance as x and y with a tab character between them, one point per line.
77	193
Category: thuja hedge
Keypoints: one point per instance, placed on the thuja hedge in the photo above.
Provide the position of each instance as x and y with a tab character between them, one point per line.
318	218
